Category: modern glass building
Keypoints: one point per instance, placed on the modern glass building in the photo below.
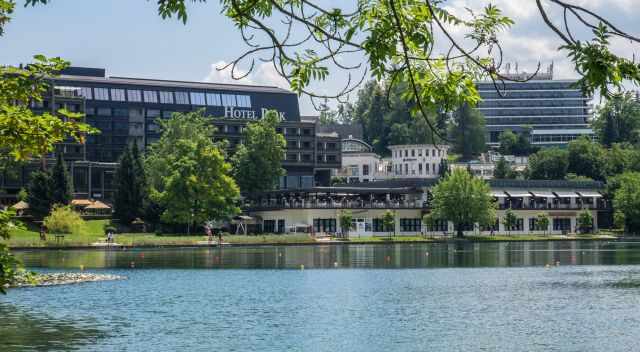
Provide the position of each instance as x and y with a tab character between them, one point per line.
126	110
554	112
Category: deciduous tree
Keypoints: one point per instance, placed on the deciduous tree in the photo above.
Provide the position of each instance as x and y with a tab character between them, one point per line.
626	200
187	173
257	163
548	164
463	200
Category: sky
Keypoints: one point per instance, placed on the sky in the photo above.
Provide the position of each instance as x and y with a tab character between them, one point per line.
128	38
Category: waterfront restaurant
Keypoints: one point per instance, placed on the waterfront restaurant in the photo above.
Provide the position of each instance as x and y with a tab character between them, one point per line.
319	208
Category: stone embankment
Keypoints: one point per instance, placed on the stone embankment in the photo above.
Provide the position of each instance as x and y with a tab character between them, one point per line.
63	279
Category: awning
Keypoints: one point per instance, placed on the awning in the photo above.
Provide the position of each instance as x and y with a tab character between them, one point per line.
498	194
543	194
517	193
567	194
590	194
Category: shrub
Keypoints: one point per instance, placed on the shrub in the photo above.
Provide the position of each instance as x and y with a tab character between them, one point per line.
63	220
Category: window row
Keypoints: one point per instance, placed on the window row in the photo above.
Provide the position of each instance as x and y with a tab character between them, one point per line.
166	97
419	152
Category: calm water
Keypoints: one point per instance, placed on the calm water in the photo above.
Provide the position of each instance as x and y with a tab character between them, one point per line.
491	297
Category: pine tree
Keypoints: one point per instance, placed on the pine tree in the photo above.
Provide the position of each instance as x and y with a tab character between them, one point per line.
126	186
468	132
61	183
610	133
39	194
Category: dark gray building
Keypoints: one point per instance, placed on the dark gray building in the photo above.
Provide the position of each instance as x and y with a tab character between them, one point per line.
126	109
554	112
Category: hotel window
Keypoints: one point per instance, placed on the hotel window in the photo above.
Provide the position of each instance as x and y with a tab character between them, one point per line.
117	94
433	153
331	158
197	98
150	96
213	99
306	132
166	97
410	225
365	170
134	95
420	169
413	153
244	101
104	112
269	226
419	152
101	93
378	225
306	157
86	92
153	113
324	225
406	169
228	100
167	114
182	98
406	153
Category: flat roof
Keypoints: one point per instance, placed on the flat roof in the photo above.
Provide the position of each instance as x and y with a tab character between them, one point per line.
172	84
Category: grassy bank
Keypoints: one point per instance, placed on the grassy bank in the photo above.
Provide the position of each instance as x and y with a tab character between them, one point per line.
93	232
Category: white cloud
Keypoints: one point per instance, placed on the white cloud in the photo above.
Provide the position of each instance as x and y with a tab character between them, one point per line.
262	74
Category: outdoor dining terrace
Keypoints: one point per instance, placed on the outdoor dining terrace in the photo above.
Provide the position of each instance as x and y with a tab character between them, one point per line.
339	198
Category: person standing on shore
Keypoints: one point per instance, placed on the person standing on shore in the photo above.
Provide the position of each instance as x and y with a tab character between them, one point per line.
43	232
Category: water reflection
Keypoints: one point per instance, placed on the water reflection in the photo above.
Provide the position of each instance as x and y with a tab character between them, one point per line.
21	330
393	256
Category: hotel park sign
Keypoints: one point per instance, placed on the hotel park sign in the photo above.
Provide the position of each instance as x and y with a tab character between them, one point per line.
232	113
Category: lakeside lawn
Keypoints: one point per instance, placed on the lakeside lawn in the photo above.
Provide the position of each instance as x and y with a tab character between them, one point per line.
93	231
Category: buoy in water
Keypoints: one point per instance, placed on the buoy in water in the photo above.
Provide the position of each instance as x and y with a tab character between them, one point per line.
335	264
133	264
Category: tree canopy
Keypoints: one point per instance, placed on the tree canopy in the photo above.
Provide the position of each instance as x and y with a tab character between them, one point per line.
257	163
187	172
463	200
467	132
618	120
627	200
130	186
548	164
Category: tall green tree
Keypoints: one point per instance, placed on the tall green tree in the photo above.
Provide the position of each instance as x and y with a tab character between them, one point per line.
509	220
130	193
463	200
585	221
257	162
187	172
502	169
467	131
542	222
345	217
61	184
618	120
389	222
626	201
587	158
508	141
548	164
39	195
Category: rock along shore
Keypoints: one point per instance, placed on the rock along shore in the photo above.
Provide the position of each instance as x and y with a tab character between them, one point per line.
64	279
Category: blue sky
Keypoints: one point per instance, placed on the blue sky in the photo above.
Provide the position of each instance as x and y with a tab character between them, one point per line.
128	38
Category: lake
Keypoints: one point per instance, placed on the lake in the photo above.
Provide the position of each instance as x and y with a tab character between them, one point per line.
518	296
